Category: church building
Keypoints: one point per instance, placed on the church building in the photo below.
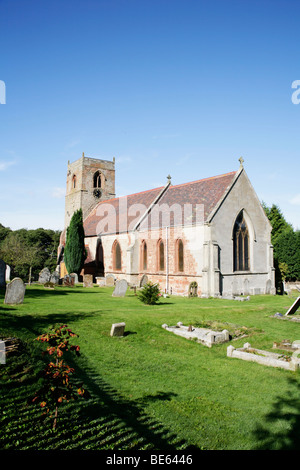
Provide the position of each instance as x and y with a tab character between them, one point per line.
209	237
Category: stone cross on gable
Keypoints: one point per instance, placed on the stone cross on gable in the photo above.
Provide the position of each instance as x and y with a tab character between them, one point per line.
241	160
169	179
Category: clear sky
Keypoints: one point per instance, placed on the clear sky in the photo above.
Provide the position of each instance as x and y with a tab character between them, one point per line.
180	87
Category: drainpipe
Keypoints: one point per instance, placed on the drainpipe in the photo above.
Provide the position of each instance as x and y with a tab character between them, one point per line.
167	260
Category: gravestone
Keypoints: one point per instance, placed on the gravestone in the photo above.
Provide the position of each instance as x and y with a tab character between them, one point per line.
88	280
68	281
75	276
2	273
2	352
294	307
117	329
120	289
144	280
7	273
110	280
15	292
44	276
54	278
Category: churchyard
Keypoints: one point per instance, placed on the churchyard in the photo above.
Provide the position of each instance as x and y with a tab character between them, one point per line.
150	388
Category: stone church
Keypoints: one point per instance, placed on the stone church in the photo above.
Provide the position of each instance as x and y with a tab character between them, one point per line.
209	237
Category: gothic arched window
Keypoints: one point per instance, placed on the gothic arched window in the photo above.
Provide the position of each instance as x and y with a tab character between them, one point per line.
97	179
117	256
74	181
179	255
161	256
144	259
240	244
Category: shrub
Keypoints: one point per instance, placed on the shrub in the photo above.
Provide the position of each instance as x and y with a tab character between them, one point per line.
149	294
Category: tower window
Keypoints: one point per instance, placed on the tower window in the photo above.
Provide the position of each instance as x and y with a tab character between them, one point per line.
240	244
74	181
97	179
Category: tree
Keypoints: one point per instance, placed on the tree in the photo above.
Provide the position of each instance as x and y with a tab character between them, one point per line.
75	252
149	294
278	222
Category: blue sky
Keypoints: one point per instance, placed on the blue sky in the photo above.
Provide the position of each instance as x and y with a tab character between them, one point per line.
180	87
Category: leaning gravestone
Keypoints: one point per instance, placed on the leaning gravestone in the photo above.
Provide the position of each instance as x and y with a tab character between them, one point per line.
15	292
294	307
117	329
44	276
88	280
120	289
110	280
75	276
2	273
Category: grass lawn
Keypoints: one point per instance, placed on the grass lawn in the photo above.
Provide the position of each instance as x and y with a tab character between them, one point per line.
151	389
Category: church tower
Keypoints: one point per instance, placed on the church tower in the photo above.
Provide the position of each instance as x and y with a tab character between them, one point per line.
89	180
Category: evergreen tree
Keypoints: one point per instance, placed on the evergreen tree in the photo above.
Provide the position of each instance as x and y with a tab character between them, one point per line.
75	253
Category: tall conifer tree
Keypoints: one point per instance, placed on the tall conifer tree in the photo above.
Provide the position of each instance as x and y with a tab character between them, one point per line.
75	253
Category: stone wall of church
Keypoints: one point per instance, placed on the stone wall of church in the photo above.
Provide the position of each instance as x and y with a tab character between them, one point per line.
260	277
170	279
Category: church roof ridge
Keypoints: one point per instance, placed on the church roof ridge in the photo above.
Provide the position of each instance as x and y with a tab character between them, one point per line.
203	179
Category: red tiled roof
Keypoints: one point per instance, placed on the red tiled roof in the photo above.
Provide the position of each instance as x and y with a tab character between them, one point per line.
204	194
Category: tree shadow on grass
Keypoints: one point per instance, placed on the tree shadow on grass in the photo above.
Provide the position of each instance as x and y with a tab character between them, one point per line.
28	325
106	421
128	426
283	422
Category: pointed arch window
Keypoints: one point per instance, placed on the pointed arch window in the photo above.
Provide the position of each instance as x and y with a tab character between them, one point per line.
117	256
179	255
144	256
241	244
161	256
97	179
74	181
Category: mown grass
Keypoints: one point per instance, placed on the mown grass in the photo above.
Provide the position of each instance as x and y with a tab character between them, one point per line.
150	389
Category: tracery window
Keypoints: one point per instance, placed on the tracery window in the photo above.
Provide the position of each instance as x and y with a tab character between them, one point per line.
241	244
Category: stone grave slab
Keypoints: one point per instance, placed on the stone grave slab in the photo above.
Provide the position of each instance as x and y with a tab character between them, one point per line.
294	307
144	280
120	289
68	281
266	358
117	329
201	335
15	292
54	278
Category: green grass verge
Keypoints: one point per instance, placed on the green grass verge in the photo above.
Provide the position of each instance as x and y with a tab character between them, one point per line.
150	389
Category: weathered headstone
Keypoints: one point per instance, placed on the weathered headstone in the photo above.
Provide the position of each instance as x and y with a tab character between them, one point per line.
54	277
110	280
117	329
2	273
144	280
44	276
88	280
294	307
120	289
2	352
68	281
15	292
75	276
7	273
